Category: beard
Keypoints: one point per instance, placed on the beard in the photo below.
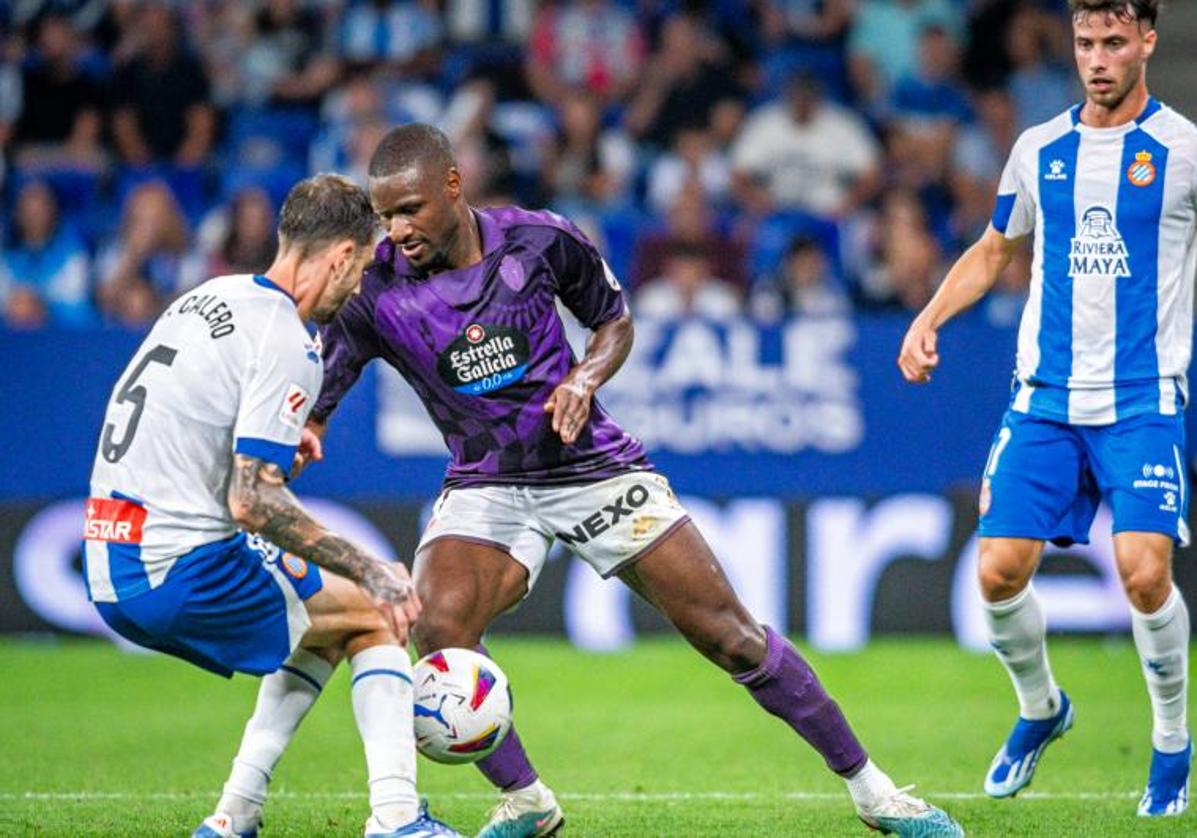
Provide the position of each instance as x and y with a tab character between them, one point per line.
1114	97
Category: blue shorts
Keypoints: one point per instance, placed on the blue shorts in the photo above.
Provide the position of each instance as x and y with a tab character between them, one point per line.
231	606
1045	479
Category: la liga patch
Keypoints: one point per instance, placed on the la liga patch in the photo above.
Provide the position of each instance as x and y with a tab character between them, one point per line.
293	410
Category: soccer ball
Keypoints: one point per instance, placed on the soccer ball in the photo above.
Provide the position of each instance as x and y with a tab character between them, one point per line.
462	706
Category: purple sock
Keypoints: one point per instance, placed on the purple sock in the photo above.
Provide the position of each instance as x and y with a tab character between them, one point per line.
508	767
786	686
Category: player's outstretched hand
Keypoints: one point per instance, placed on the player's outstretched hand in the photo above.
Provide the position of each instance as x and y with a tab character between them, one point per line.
569	405
311	450
919	355
393	594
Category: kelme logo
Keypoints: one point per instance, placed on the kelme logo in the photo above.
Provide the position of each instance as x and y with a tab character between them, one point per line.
484	359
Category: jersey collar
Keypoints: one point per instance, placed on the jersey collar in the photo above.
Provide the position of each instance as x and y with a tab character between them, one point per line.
490	231
1149	110
266	283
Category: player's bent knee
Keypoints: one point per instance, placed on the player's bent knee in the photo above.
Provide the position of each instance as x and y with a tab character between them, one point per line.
1147	586
744	650
443	631
734	646
339	611
1001	581
360	641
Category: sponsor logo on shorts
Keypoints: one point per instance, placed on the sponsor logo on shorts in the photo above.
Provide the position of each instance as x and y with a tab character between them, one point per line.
601	520
643	525
267	550
295	566
484	359
1163	478
113	520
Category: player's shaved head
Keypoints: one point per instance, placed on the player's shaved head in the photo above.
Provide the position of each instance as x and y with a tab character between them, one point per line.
1143	11
325	209
414	145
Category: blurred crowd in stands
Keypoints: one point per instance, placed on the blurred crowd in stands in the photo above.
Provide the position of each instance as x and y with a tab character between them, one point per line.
728	156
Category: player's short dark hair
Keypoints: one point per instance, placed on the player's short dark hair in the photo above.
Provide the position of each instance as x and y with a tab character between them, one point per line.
1146	11
415	144
325	209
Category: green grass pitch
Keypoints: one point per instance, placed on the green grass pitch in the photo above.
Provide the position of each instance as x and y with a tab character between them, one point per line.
651	742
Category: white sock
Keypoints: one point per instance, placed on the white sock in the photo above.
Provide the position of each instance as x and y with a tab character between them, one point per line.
382	705
1018	632
284	698
1162	640
870	786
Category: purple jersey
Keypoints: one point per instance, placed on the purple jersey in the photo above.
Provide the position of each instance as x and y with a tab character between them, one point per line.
484	347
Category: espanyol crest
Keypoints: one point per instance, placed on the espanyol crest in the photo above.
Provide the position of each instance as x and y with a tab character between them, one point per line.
1142	171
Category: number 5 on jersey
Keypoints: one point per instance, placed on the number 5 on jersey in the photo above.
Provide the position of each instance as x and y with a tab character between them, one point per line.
133	393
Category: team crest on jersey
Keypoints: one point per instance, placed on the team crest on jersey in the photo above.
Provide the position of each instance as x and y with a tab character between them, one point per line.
1097	248
291	412
294	566
484	359
1142	171
512	273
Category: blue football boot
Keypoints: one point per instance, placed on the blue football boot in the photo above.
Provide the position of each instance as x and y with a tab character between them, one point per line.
1014	766
1167	793
220	825
424	826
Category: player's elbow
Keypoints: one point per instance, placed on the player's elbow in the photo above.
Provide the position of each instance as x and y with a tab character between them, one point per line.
245	509
624	330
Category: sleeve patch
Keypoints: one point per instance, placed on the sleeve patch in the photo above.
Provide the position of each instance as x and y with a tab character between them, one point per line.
291	411
611	280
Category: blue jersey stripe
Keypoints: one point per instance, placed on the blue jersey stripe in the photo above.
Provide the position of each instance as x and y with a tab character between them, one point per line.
1140	205
1003	208
1056	201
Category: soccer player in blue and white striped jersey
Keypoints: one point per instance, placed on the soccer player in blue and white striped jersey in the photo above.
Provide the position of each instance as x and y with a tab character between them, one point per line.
1109	191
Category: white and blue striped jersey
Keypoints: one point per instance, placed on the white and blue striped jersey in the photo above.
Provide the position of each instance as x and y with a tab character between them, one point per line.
1107	330
228	367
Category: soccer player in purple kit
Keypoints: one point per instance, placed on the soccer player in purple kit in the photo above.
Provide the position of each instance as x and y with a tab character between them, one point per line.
462	302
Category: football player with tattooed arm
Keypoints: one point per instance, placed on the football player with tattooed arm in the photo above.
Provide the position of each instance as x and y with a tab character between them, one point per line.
195	547
462	302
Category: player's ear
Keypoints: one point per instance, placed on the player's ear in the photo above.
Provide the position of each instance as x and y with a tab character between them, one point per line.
1149	41
342	256
453	183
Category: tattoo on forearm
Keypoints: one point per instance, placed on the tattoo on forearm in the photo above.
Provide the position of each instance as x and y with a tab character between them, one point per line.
267	507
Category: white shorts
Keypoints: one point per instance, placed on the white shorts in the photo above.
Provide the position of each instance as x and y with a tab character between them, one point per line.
608	524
